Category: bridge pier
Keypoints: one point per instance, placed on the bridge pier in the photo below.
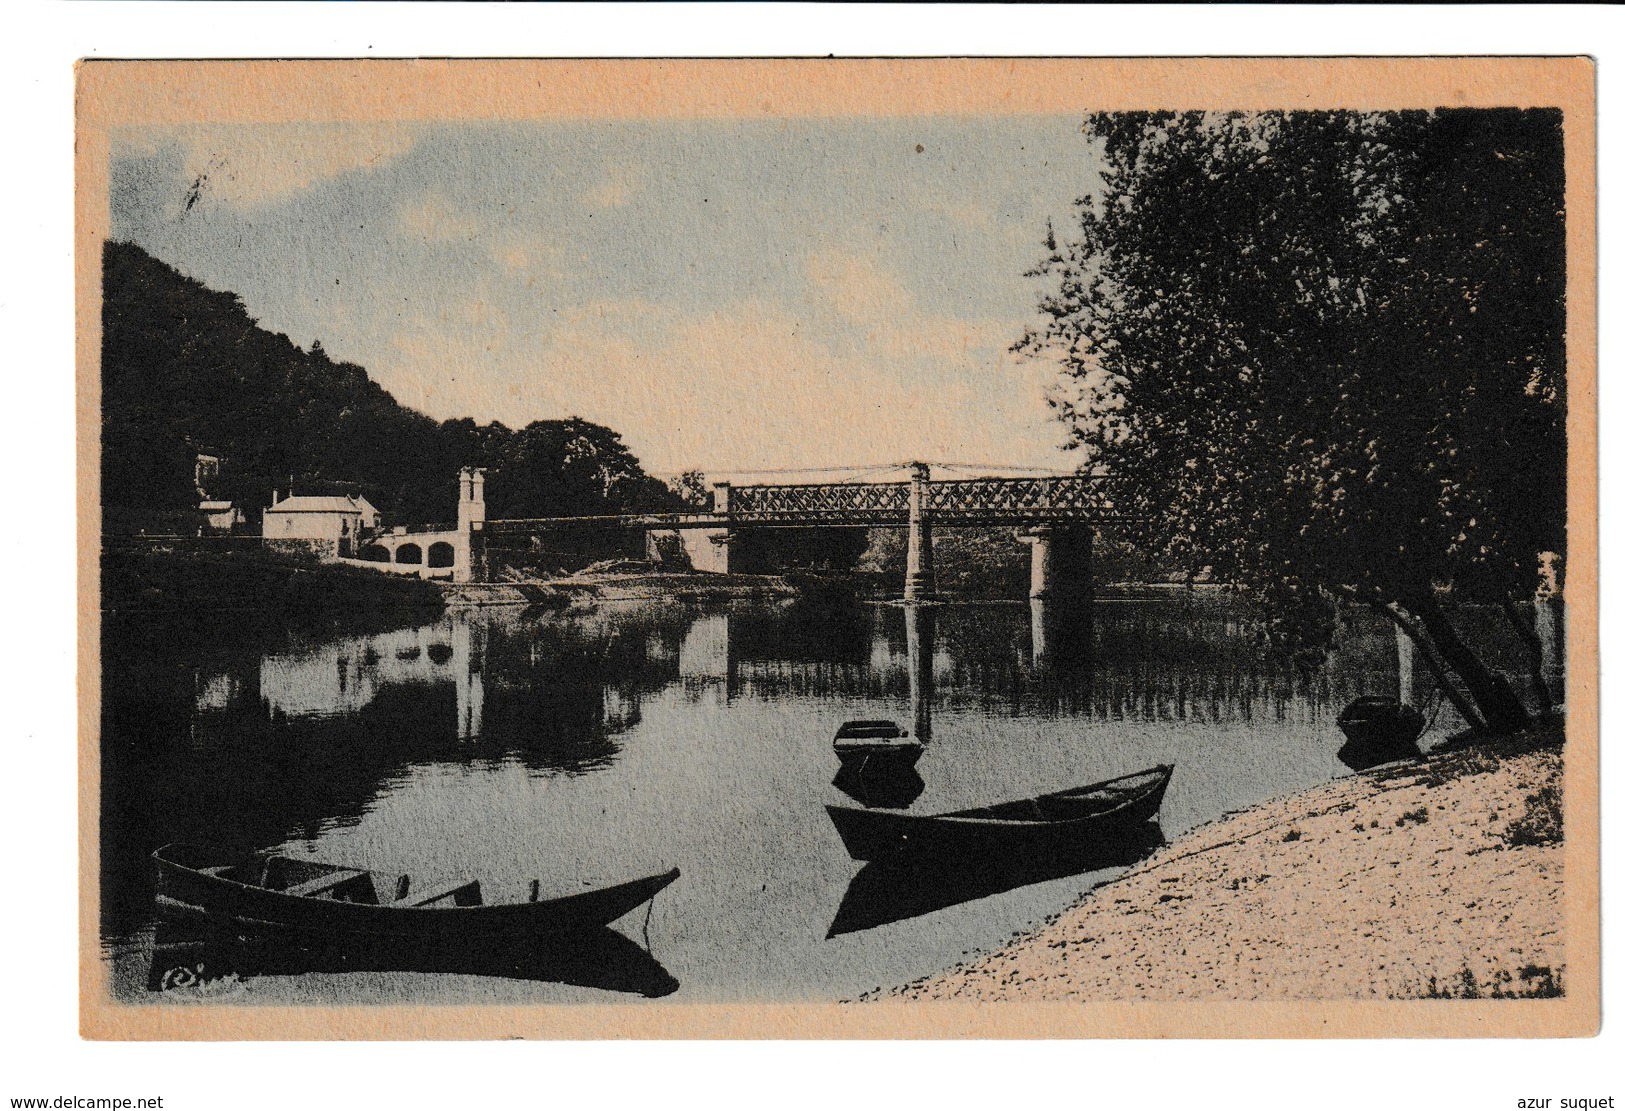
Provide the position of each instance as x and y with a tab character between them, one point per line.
708	549
1062	562
1061	594
920	582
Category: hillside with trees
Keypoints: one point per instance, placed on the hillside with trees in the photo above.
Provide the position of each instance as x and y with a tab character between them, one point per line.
187	370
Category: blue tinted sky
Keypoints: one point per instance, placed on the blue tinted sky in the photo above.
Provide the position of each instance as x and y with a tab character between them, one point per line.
726	294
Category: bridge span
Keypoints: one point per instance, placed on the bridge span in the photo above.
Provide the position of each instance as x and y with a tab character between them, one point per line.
1056	516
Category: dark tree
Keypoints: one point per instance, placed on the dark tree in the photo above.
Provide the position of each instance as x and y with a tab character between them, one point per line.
1322	354
186	370
569	468
692	490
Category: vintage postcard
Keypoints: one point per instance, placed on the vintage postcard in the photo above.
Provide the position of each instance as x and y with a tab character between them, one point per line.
838	549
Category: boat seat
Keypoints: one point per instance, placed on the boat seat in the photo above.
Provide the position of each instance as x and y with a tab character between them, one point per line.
323	884
462	893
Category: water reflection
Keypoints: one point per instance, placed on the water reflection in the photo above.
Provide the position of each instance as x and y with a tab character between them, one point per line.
909	885
1062	637
200	963
920	631
590	740
876	781
346	674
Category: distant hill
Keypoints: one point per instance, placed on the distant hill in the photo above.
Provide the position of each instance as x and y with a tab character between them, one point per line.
186	370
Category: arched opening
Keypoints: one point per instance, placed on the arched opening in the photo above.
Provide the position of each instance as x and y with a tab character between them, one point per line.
408	553
377	553
442	554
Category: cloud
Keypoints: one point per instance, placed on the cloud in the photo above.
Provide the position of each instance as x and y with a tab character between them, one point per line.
612	192
858	287
435	220
251	166
754	383
530	256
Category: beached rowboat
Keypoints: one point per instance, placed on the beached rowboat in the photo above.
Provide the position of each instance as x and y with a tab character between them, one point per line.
1375	720
282	896
1095	813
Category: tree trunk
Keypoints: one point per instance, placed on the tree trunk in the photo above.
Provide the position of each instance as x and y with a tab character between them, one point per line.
1430	658
1503	713
1407	623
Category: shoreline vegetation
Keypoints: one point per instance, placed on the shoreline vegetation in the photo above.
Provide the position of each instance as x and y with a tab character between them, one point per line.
300	589
291	589
1432	879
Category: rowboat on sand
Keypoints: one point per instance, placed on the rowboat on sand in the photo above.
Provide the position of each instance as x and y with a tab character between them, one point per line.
1376	721
283	896
1096	812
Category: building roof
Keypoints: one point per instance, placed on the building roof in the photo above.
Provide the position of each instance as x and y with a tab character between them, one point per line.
219	506
309	504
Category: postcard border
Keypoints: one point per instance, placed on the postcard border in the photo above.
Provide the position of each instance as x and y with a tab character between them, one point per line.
112	93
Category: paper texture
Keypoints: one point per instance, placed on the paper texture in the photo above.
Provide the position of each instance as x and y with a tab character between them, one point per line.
767	317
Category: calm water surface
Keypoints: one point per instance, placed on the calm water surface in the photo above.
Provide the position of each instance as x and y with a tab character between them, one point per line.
603	744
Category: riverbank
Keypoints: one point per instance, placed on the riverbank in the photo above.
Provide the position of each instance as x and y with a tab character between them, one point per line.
1434	879
292	589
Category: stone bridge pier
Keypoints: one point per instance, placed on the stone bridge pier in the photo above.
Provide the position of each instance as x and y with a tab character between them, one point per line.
1062	562
1061	594
704	549
920	579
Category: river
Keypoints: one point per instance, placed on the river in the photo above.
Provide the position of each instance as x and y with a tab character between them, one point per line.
604	743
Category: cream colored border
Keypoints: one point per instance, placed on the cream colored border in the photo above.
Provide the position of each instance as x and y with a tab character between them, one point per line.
113	93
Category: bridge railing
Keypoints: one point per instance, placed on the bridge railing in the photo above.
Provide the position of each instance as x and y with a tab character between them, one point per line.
1063	498
971	501
1068	497
886	501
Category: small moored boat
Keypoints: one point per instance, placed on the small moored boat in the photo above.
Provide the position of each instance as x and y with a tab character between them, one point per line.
1097	812
282	896
857	741
1376	721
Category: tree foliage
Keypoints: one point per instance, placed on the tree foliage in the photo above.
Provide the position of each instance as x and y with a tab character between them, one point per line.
693	490
1324	351
185	369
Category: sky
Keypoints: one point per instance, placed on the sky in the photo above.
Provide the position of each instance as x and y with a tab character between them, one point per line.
731	296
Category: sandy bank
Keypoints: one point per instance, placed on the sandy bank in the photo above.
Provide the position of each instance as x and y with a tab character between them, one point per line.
1434	879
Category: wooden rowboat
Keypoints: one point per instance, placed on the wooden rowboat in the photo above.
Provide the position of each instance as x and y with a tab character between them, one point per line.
1380	722
282	896
860	741
1096	813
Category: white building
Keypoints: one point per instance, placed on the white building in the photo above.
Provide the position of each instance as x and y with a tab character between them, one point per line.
370	517
326	525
